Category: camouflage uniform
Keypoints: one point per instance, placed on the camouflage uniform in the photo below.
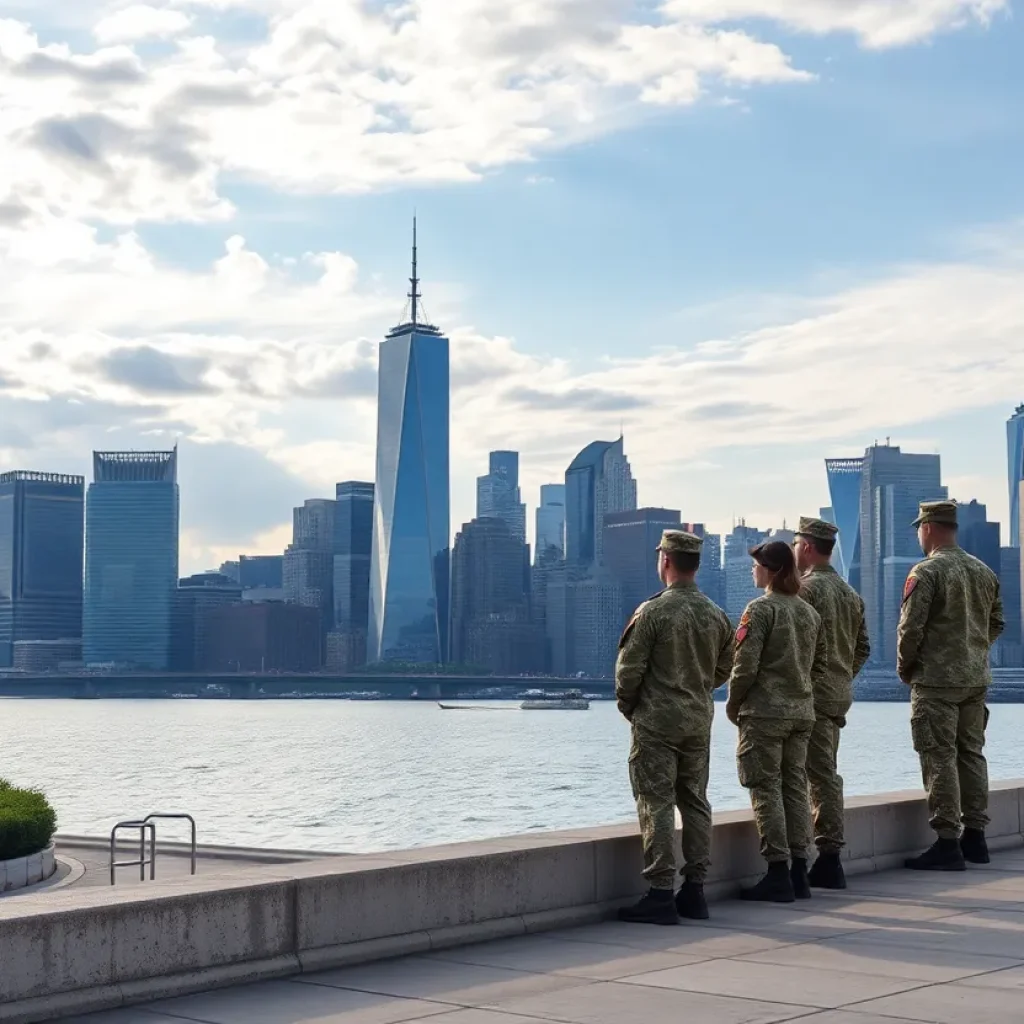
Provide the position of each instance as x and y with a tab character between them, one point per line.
951	616
846	641
780	660
675	650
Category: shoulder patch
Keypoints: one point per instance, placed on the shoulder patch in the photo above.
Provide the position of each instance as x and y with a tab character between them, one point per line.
744	628
909	587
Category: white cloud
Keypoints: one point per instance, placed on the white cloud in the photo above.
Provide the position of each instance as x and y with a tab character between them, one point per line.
140	21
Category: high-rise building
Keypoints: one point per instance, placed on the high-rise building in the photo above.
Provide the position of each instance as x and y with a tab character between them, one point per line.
1015	473
497	493
131	559
262	637
1009	652
597	617
261	572
491	623
41	531
630	543
977	536
410	562
308	565
893	483
550	540
197	597
844	487
353	543
598	481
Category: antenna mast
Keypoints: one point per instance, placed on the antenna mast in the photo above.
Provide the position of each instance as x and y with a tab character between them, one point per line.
414	295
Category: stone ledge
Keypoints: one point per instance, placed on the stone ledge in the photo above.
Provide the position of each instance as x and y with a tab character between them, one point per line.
21	872
99	948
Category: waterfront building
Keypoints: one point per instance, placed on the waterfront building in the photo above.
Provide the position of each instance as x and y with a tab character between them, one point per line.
599	481
550	523
196	598
844	487
893	483
262	637
498	495
410	560
1009	652
308	564
630	555
261	572
131	559
977	535
41	549
1015	474
353	545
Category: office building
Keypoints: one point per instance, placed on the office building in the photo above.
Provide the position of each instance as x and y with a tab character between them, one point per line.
353	544
491	624
1009	652
893	483
262	637
630	550
498	496
131	559
844	487
550	522
308	563
597	618
196	598
410	561
1015	473
977	535
41	545
261	572
599	481
232	569
738	579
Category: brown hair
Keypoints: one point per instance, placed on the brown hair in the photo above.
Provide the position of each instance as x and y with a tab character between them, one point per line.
779	559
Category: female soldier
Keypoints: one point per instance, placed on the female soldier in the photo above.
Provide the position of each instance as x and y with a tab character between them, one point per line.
780	654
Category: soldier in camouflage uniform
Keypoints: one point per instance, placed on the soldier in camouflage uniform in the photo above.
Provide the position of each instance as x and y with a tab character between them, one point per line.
951	617
675	650
846	639
780	662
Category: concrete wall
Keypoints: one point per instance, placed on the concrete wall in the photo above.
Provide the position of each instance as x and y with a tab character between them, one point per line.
96	948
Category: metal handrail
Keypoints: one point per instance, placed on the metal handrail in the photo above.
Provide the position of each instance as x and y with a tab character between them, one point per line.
143	861
178	817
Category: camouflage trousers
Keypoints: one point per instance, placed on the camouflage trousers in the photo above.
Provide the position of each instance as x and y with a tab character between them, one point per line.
665	775
826	784
948	727
772	762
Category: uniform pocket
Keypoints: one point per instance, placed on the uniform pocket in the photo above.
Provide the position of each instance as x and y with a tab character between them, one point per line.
750	761
922	732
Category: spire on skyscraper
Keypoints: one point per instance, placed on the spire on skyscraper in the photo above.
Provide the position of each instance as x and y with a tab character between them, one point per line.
414	295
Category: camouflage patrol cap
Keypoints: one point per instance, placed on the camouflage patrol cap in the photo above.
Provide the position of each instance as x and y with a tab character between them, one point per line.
818	529
941	512
680	541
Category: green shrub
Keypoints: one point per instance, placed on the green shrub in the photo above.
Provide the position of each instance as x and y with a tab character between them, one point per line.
27	821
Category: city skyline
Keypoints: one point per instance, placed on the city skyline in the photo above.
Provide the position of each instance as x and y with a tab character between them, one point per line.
815	215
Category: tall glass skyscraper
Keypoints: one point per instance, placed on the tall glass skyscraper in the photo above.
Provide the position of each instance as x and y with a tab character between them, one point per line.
497	493
550	540
844	490
41	531
131	559
410	561
353	544
1015	471
598	481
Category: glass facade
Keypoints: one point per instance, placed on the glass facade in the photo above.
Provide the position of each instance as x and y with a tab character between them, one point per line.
1015	471
353	544
598	481
844	491
550	542
497	493
131	559
41	542
410	560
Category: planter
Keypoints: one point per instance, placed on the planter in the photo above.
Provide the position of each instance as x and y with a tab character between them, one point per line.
25	871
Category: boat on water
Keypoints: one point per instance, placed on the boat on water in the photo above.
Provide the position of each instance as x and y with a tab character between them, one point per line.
571	700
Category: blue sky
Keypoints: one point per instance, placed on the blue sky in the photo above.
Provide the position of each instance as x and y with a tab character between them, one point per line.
752	243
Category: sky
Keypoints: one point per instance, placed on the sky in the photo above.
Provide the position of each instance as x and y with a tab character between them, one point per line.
749	234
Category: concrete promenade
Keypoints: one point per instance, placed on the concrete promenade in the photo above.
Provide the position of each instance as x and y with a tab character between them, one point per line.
943	949
86	949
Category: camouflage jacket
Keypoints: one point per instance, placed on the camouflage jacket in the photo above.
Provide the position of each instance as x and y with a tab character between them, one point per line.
951	616
675	650
846	636
781	660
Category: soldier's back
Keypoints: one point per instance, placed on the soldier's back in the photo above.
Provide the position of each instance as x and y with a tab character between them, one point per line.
677	697
842	613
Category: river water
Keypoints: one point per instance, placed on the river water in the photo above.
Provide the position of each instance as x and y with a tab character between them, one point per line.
358	776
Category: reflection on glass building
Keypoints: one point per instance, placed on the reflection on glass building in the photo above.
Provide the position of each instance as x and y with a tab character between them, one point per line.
1015	472
410	560
131	559
598	481
41	533
844	490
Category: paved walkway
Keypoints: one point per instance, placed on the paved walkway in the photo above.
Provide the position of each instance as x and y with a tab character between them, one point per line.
945	949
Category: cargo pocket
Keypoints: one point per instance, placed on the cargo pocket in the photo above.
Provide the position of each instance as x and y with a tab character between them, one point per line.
750	762
922	732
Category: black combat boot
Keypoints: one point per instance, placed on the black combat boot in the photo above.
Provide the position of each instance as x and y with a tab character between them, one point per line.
775	887
657	907
801	883
973	846
827	872
942	855
690	902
